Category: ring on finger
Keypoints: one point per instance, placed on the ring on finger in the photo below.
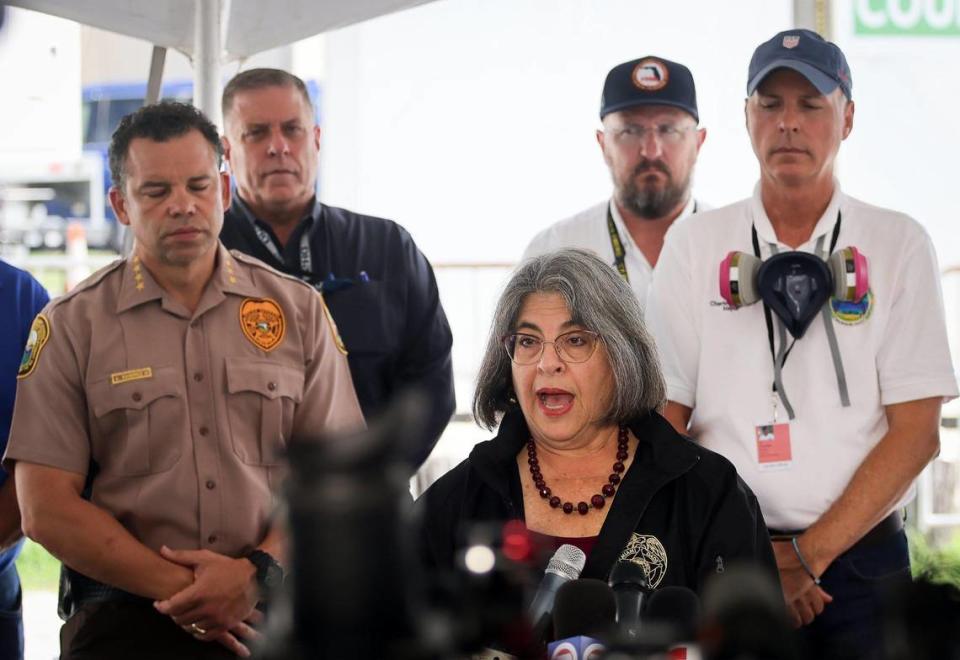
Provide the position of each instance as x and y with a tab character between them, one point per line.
197	630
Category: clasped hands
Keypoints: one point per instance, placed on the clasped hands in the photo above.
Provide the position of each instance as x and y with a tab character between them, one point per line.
220	604
805	600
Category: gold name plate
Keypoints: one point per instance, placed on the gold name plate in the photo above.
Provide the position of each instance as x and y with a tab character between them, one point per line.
133	374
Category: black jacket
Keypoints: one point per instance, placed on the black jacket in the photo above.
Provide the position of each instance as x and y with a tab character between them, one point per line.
676	498
385	303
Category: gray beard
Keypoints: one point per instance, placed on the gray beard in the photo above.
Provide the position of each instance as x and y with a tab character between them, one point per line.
652	203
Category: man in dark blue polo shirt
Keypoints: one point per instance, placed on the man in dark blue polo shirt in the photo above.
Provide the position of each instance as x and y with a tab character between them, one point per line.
21	298
380	289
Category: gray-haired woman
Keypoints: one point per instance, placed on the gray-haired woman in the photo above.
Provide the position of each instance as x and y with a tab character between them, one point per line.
582	455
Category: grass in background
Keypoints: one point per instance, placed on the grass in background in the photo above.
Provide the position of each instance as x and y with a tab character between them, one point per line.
54	280
938	565
38	569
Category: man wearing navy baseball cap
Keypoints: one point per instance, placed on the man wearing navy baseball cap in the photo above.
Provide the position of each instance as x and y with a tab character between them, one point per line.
831	440
650	140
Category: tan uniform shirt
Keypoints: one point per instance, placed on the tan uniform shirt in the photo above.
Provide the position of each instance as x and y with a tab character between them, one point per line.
178	419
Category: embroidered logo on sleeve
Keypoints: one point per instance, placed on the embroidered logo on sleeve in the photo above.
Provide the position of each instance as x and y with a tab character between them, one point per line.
337	339
262	322
649	553
132	374
39	333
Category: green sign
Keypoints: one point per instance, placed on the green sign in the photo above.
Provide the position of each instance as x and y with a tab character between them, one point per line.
907	17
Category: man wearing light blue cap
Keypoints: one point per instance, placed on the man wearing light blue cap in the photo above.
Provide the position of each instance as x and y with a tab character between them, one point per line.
830	424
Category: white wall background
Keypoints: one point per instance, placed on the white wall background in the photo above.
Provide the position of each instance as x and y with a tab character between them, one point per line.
40	83
471	121
903	152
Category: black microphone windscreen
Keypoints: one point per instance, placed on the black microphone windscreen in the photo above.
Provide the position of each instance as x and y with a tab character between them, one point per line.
583	607
745	615
629	574
920	619
678	607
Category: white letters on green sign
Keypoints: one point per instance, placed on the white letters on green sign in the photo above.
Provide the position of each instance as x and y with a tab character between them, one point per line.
907	17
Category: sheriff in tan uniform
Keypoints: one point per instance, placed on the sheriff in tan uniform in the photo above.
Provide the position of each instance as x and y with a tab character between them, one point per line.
171	399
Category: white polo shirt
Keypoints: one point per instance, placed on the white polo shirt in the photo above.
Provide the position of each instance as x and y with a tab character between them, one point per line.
717	360
588	230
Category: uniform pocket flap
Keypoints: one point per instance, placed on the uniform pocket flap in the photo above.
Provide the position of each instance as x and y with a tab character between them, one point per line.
136	394
267	378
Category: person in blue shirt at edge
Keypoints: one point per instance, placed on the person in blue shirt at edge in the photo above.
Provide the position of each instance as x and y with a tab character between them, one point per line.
379	287
21	299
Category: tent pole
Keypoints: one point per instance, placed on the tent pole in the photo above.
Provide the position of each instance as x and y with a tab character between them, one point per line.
206	62
157	60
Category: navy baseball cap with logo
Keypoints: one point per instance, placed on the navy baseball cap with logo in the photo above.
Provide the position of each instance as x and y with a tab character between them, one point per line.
806	52
649	81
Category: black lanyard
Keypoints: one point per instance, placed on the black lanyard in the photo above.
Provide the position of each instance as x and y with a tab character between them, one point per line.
619	253
305	253
766	309
306	258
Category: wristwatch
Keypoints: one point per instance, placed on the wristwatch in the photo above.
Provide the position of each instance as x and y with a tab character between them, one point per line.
269	571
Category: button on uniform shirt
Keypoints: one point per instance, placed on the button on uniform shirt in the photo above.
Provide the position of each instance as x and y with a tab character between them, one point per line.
177	419
587	230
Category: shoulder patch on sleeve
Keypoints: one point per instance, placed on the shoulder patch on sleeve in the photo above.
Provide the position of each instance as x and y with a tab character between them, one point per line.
333	327
39	333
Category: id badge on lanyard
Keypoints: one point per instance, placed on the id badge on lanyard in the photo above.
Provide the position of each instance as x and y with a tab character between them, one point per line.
773	442
772	438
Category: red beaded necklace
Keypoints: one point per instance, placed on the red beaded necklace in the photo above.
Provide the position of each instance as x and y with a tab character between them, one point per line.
597	501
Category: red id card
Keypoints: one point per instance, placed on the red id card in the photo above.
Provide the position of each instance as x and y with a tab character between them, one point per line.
773	445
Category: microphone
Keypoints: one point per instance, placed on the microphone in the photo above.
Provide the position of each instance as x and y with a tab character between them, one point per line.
584	607
564	566
366	543
920	620
677	611
677	607
629	583
492	654
576	648
584	610
745	617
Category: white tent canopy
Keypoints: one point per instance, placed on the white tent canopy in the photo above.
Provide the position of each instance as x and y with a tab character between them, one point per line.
211	32
248	26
